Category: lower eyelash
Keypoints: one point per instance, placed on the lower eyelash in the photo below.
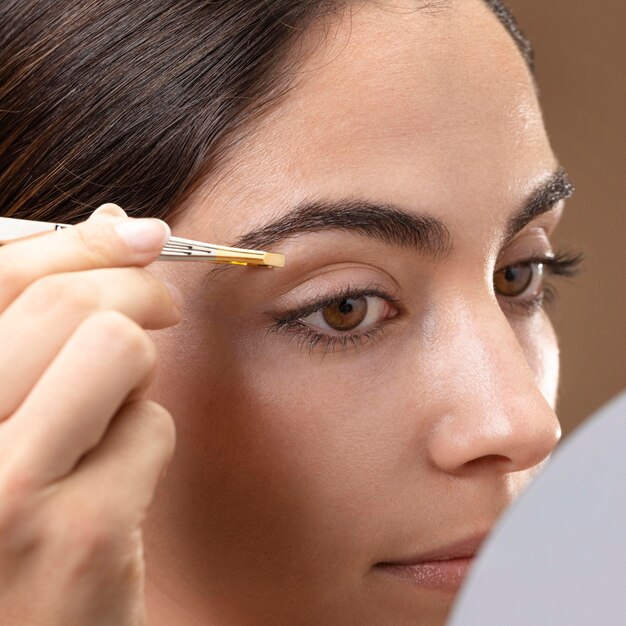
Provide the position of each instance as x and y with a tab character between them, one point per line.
308	338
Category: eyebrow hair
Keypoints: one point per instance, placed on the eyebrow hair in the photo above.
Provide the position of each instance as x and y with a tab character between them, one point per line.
557	187
391	224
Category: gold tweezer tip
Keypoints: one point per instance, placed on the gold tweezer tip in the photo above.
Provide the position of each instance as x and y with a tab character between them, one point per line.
274	259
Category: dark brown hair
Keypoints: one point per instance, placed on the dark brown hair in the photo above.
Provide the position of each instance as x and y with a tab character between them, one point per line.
134	102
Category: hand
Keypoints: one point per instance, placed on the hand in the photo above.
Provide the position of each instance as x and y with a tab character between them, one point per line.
81	448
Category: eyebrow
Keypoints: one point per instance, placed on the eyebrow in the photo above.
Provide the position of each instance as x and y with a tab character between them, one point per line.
556	188
391	224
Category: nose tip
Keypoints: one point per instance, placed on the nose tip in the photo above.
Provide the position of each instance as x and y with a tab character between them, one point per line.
510	437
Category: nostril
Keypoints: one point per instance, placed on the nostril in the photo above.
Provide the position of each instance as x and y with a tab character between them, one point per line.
490	460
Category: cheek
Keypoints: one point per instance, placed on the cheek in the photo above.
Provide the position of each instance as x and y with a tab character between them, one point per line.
540	344
252	410
292	450
290	418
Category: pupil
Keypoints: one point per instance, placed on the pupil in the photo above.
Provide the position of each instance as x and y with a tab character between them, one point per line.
513	280
347	314
345	307
510	274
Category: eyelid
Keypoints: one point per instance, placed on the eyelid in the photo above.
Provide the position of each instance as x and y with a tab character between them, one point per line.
544	258
546	222
349	290
535	237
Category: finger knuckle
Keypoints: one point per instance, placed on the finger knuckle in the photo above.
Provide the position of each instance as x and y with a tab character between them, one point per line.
16	497
89	531
98	241
59	291
10	515
153	290
15	485
113	331
96	543
149	284
158	424
156	417
12	278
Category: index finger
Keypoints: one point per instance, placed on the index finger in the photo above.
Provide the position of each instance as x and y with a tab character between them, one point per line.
109	238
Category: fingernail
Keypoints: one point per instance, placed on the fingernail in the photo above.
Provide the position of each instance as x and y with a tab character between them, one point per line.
176	295
144	234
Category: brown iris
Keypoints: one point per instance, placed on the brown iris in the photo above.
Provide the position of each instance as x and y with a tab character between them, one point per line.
513	280
347	314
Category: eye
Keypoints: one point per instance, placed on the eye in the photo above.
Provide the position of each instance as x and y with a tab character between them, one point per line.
351	318
352	313
518	280
522	287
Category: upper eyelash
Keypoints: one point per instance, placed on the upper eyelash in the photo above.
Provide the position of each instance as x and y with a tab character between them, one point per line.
349	291
561	263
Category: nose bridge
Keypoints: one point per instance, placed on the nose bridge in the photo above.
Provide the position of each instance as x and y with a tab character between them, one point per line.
491	405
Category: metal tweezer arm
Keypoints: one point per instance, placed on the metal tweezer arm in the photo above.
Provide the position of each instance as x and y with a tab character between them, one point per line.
176	248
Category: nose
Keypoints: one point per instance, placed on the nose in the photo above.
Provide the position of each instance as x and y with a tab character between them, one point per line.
490	408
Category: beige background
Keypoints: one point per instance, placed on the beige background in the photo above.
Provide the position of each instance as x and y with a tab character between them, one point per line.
580	52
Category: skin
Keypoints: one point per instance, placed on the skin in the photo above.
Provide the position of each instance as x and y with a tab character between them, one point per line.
296	472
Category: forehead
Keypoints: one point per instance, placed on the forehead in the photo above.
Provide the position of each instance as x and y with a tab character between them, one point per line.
398	103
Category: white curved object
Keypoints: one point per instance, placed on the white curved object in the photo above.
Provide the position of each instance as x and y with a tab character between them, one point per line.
557	556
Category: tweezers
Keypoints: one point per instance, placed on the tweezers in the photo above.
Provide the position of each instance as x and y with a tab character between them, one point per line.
176	248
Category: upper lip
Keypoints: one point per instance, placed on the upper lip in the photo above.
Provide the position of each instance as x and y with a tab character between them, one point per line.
463	549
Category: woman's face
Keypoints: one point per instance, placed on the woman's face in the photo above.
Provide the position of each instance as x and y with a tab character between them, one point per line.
315	444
